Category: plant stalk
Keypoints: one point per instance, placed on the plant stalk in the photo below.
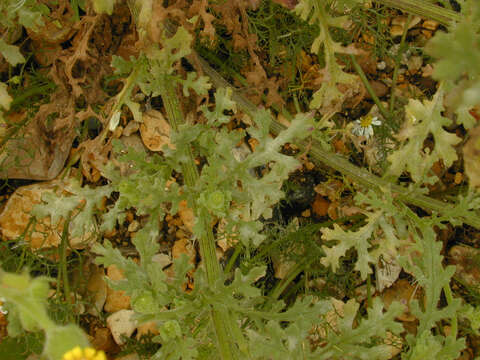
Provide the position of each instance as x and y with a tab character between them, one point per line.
386	115
63	260
221	318
397	64
454	321
423	9
338	162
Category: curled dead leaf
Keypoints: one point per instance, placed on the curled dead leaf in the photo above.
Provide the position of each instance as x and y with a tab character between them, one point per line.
403	292
155	131
97	289
39	148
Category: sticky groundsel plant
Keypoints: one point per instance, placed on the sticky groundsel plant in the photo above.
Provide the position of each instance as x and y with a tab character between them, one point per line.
391	222
205	323
208	320
228	319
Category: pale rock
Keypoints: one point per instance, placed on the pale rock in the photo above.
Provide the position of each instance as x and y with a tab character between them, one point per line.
16	216
121	323
414	64
381	65
398	24
427	70
133	226
116	299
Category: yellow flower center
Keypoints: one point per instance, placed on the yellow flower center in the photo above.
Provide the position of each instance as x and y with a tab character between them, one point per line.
366	121
77	353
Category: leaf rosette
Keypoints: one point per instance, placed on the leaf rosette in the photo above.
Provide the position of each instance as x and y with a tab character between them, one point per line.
217	202
145	303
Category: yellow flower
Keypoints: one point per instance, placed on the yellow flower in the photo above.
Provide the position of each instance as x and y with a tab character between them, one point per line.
77	353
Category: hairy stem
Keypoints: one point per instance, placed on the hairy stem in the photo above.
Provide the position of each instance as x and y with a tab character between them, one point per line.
220	316
63	273
424	9
454	324
338	162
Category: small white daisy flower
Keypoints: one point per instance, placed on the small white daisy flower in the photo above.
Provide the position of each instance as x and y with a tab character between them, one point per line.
363	126
2	310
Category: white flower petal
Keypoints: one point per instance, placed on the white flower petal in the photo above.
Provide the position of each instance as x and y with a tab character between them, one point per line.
368	131
356	130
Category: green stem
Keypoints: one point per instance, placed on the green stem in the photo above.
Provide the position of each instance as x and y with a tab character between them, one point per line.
233	258
63	259
221	318
212	58
76	13
191	176
386	115
369	292
449	296
397	64
424	9
31	92
282	285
